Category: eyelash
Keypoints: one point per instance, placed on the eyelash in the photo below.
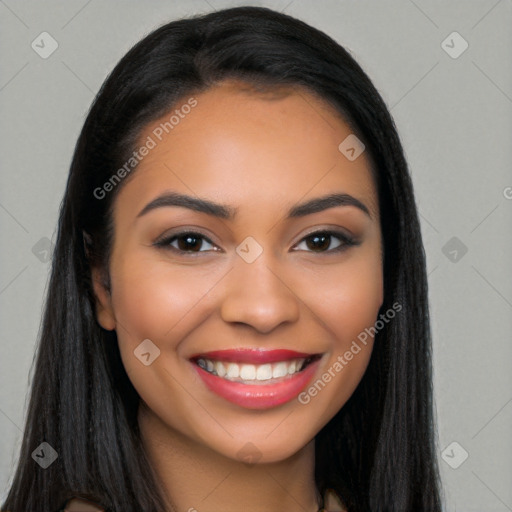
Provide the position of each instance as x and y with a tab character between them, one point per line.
347	241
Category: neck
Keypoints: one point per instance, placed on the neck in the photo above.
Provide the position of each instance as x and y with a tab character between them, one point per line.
196	478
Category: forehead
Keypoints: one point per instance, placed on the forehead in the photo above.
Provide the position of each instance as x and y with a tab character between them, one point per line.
251	149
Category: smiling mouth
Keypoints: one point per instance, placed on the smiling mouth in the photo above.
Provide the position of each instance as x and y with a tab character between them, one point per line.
247	373
256	379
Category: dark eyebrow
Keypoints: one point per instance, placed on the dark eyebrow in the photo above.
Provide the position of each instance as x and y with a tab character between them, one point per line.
323	203
192	203
226	212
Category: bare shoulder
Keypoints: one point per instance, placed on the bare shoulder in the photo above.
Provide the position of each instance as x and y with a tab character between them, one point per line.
332	502
81	505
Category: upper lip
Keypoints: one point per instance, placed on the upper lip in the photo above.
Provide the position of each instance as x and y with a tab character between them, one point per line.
254	356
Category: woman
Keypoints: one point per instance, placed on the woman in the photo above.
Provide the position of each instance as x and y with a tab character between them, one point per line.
237	316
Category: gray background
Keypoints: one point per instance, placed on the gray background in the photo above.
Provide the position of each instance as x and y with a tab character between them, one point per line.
454	117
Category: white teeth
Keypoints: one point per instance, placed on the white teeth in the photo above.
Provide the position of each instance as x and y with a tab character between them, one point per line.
264	372
220	369
233	371
247	372
251	372
280	370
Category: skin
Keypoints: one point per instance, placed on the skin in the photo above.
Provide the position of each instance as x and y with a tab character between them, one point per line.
262	154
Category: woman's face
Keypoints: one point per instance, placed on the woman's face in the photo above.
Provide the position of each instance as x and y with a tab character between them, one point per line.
217	309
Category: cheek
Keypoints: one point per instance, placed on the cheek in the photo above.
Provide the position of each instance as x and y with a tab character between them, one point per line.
359	299
348	303
162	302
349	298
152	298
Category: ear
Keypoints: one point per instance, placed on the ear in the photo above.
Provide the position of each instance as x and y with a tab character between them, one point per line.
104	310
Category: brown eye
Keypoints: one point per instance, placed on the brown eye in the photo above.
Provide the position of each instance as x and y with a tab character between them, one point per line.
189	242
186	242
320	241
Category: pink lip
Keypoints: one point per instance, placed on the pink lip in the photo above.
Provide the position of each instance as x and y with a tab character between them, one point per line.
259	396
252	356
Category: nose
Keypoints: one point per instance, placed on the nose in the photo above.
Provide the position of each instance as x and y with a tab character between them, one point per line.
259	296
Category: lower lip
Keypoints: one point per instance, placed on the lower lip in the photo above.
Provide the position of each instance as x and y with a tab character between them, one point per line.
258	396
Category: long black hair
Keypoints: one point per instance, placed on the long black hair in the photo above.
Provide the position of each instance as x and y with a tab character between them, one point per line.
378	452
